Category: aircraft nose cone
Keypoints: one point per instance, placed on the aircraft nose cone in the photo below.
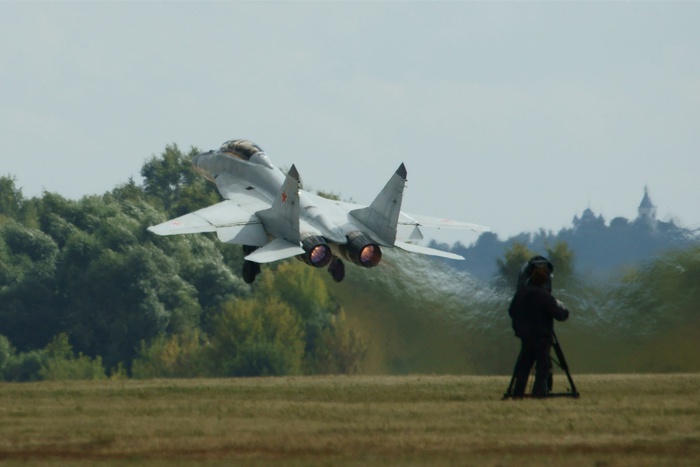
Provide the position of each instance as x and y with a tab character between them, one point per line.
199	164
196	160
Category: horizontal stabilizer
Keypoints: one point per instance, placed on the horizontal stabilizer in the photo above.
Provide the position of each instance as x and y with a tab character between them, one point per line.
427	251
441	223
276	250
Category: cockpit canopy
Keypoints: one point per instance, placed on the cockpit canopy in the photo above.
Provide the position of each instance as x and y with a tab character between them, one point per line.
241	148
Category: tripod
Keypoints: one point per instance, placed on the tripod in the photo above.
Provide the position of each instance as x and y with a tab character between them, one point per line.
560	361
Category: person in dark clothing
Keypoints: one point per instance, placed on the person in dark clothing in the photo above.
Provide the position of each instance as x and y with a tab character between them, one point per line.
533	311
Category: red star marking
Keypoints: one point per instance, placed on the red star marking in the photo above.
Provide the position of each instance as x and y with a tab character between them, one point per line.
284	197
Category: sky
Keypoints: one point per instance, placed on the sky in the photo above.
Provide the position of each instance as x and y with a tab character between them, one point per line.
513	115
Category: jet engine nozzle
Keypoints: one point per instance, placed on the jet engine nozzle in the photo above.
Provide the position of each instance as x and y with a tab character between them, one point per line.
360	249
317	252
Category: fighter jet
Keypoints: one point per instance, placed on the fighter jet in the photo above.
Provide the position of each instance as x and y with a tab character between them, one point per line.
267	212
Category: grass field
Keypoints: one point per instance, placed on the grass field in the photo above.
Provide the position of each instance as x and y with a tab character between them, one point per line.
355	420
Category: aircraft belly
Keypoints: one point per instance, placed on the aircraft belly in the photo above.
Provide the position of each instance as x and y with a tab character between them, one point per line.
308	228
333	213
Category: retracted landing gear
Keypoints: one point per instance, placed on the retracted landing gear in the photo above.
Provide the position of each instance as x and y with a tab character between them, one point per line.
250	271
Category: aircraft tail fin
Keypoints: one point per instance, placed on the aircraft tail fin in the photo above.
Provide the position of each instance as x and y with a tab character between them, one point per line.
282	219
382	216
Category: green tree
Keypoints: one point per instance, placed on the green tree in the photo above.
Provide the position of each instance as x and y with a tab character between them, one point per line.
28	261
6	351
11	198
55	362
330	345
562	258
23	367
198	261
337	349
61	364
170	181
119	284
257	338
509	266
121	299
175	356
128	192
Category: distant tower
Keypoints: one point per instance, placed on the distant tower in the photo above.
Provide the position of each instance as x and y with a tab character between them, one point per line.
646	210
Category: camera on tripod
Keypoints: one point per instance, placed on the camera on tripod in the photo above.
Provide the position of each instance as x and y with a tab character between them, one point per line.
532	311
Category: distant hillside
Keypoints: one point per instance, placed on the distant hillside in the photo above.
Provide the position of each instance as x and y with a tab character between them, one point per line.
598	247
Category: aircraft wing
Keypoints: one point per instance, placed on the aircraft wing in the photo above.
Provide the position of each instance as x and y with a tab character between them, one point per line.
231	223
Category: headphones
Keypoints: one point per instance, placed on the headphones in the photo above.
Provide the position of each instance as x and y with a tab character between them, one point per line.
526	271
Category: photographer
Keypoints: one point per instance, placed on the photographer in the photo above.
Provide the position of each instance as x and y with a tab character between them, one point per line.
533	310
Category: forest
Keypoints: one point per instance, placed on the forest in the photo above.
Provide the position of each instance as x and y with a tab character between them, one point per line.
86	292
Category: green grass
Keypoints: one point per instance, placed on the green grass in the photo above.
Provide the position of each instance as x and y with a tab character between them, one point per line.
355	420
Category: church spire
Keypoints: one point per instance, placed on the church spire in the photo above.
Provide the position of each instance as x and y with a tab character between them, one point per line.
646	210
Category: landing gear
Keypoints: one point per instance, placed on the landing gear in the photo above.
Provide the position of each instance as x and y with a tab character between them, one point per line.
250	271
337	269
250	268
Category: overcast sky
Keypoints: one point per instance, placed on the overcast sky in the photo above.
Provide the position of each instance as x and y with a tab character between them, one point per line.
517	115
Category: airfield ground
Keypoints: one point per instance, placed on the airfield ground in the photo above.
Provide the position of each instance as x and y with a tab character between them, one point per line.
351	420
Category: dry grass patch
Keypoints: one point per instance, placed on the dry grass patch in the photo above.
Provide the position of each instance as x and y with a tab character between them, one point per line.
358	420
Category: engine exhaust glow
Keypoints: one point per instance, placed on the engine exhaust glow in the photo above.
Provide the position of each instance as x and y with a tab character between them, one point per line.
320	255
317	252
370	256
362	250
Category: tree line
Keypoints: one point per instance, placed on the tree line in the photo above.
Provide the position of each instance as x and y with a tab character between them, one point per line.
86	292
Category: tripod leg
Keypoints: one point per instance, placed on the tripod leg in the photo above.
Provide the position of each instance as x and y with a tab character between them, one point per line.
522	370
509	391
550	380
563	365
